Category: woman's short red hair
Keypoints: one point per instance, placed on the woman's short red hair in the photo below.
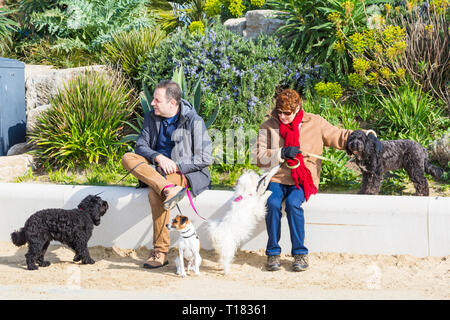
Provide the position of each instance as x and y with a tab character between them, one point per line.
288	100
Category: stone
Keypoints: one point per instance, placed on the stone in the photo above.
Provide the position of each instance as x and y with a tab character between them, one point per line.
255	23
19	148
14	166
439	150
236	25
33	114
261	21
42	82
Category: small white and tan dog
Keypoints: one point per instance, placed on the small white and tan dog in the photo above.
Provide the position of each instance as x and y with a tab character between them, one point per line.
188	246
246	208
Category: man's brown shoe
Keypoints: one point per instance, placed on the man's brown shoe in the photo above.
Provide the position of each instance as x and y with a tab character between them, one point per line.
172	196
157	259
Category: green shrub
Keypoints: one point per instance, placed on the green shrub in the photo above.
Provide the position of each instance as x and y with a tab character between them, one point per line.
335	173
128	49
7	26
242	74
317	29
410	113
409	44
66	30
85	122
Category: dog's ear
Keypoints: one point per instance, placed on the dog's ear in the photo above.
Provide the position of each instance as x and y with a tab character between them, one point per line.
350	138
378	145
183	219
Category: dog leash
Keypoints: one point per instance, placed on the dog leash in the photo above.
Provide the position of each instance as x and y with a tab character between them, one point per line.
189	196
185	185
308	154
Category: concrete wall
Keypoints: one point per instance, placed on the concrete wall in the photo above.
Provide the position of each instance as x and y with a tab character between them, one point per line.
419	226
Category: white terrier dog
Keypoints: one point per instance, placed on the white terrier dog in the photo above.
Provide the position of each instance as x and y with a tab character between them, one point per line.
247	208
188	246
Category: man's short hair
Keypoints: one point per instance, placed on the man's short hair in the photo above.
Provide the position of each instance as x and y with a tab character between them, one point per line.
173	90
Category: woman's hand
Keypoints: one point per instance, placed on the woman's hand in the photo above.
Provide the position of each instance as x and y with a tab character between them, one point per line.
290	152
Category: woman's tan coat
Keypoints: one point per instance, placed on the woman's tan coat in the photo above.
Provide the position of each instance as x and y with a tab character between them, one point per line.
315	133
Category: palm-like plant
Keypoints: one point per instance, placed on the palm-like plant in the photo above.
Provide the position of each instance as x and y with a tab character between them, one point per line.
129	48
6	25
85	122
191	93
316	29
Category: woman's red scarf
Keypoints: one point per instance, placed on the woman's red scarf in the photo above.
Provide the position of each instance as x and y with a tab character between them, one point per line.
291	135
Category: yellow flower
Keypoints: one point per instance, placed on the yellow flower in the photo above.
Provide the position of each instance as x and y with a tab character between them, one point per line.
355	80
393	33
236	7
212	7
332	90
348	7
339	46
197	27
386	73
378	48
391	53
439	6
257	3
334	17
357	41
361	65
400	73
388	8
372	78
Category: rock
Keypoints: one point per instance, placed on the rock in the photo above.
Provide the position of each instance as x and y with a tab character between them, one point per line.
261	21
42	82
236	25
254	23
19	148
33	114
439	150
14	166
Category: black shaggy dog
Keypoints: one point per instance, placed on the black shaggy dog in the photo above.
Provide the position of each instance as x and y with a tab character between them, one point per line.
375	157
71	227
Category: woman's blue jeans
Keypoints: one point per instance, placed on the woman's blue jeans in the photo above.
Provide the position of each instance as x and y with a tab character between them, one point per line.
293	204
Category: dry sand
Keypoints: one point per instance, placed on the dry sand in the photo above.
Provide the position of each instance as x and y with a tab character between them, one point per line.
118	274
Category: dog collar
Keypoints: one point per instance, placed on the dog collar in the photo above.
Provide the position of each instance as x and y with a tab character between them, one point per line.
194	233
237	199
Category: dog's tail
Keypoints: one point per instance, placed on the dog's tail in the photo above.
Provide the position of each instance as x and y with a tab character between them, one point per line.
18	237
435	171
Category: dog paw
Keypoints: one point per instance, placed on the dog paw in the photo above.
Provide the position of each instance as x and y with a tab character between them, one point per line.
88	261
32	267
76	258
44	263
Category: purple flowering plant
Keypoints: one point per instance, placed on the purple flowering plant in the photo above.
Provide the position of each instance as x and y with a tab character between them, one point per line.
242	74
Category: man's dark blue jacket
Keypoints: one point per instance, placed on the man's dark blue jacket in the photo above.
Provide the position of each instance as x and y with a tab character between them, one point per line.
192	151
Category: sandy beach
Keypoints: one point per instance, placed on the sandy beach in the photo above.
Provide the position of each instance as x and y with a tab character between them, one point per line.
117	274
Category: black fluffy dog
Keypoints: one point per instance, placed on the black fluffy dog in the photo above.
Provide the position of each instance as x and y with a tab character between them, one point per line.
375	157
71	227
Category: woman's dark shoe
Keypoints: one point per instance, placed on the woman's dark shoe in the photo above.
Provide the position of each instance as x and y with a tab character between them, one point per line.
273	263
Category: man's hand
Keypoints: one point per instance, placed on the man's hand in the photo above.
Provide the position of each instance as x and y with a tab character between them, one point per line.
166	164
